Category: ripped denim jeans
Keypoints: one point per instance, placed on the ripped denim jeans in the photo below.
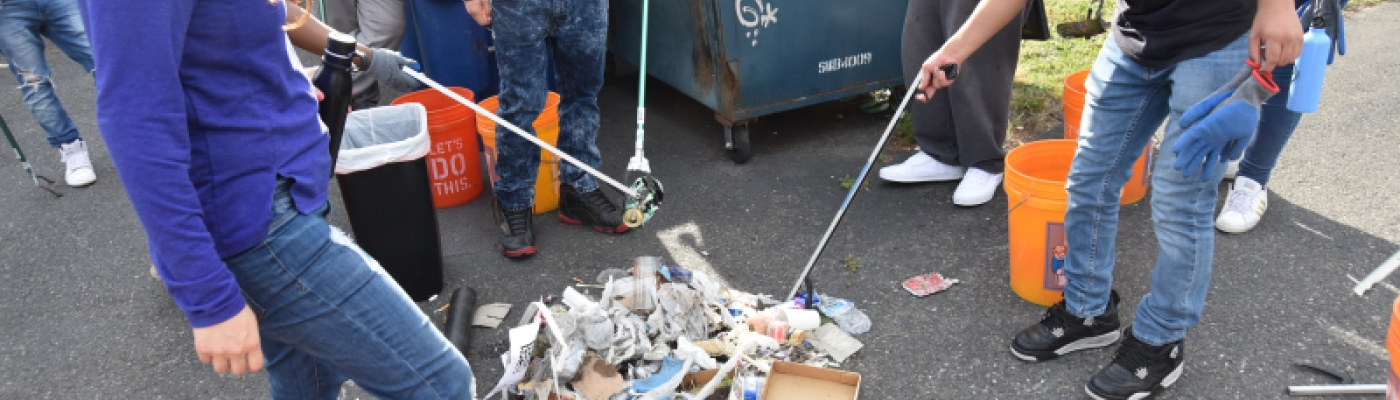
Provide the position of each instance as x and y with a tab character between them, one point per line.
23	25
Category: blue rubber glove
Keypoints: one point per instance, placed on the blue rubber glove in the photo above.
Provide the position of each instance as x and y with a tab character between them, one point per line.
1221	126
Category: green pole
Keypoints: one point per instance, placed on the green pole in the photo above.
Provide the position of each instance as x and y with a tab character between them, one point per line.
642	80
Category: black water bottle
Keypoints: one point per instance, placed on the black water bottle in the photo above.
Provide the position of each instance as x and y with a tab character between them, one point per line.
333	80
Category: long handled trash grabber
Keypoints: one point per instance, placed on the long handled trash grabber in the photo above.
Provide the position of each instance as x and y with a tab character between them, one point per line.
641	197
24	162
949	70
636	215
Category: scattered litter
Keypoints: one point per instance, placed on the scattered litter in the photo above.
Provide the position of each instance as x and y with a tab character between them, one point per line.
704	253
444	307
927	284
490	315
658	331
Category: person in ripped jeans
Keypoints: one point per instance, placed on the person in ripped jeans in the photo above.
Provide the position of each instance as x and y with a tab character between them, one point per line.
1202	66
23	26
579	32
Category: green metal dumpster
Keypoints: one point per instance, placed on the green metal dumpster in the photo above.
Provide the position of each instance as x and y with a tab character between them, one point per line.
749	58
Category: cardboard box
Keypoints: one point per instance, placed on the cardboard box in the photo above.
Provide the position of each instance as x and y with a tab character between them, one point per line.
790	381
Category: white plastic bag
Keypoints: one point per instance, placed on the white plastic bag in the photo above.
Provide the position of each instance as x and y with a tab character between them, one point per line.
383	135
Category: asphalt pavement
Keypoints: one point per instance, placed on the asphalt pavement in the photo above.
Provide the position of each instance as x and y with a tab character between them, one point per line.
83	319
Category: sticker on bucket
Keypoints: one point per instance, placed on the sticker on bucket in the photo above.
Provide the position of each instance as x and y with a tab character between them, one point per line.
448	164
1055	251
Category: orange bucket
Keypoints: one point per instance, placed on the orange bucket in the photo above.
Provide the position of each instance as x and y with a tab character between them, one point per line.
1036	200
547	129
1072	115
1073	102
1392	346
453	164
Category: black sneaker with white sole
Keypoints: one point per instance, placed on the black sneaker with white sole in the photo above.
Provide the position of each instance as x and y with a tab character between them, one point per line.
1059	333
1138	371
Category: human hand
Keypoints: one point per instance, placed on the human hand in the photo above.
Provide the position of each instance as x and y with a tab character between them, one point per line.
1221	126
937	72
1277	31
387	67
232	345
480	11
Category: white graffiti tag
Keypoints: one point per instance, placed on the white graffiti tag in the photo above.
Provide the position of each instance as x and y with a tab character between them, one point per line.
752	17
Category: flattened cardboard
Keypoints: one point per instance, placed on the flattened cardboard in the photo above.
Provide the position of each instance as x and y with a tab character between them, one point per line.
791	381
598	380
490	315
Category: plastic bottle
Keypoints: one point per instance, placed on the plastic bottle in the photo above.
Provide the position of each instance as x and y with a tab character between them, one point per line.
1311	67
333	80
753	387
644	279
847	316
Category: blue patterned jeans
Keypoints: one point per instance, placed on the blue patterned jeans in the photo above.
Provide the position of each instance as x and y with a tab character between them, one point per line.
579	29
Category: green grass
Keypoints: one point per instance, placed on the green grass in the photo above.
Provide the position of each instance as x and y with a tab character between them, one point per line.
1043	66
1041	72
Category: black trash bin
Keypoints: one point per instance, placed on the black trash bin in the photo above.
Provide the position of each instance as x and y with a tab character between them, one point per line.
383	179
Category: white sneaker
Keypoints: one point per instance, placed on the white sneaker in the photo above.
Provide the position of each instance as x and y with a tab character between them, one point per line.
1231	169
79	167
977	188
921	168
1245	206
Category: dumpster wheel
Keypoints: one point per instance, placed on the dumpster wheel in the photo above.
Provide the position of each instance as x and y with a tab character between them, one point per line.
740	149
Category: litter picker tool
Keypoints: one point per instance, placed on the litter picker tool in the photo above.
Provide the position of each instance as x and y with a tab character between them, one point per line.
641	196
951	71
641	210
47	183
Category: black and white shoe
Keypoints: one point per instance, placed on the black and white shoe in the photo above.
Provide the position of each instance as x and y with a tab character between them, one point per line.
1138	371
1059	333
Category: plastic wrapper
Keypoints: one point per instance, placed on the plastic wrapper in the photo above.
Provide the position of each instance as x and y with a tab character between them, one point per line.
845	313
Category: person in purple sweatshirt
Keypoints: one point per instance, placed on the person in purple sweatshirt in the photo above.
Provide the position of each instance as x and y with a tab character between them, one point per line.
214	134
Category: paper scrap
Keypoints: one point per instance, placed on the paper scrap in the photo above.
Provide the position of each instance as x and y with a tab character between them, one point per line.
490	315
517	358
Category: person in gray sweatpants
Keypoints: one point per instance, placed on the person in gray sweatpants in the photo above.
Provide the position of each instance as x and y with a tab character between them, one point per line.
373	23
960	130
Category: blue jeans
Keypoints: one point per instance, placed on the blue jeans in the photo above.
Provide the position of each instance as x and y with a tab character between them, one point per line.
579	29
1126	102
1276	125
22	22
327	313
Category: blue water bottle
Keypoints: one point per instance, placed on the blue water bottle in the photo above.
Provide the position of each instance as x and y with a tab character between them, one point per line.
1310	69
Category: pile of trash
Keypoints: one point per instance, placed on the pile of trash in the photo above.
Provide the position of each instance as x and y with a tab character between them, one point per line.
655	328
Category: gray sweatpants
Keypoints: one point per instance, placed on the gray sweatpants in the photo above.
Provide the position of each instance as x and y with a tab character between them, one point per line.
373	23
964	124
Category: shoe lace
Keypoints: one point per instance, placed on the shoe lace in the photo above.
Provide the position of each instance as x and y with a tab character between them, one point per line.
598	201
1133	354
70	156
1057	316
1241	200
517	221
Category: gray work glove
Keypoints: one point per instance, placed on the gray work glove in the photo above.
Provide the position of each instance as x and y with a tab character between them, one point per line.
387	67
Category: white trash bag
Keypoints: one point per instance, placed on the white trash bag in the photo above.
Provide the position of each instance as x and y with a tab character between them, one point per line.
383	135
